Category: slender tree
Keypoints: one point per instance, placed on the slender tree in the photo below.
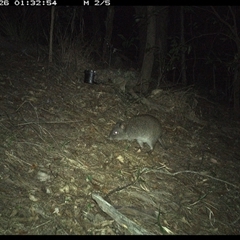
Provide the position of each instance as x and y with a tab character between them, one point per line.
183	51
108	33
148	58
51	35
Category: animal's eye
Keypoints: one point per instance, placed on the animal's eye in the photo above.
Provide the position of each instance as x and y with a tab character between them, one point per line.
115	133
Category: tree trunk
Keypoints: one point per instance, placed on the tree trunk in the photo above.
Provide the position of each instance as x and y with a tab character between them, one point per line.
148	59
51	35
141	22
161	41
183	50
108	35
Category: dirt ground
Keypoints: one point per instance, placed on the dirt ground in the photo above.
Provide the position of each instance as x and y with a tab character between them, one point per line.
59	173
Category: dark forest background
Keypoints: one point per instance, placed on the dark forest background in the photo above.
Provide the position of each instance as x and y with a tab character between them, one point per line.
171	46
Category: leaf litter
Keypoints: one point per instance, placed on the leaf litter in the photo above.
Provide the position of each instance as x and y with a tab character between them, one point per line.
59	174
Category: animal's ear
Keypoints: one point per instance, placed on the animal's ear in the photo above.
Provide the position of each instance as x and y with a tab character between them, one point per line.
122	125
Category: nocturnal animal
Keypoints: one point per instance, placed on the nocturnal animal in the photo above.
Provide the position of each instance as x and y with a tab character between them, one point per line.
143	128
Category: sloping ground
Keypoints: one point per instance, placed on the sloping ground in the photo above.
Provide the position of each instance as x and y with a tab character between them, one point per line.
54	154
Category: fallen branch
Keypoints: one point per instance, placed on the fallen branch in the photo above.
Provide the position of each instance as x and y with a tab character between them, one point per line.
132	227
